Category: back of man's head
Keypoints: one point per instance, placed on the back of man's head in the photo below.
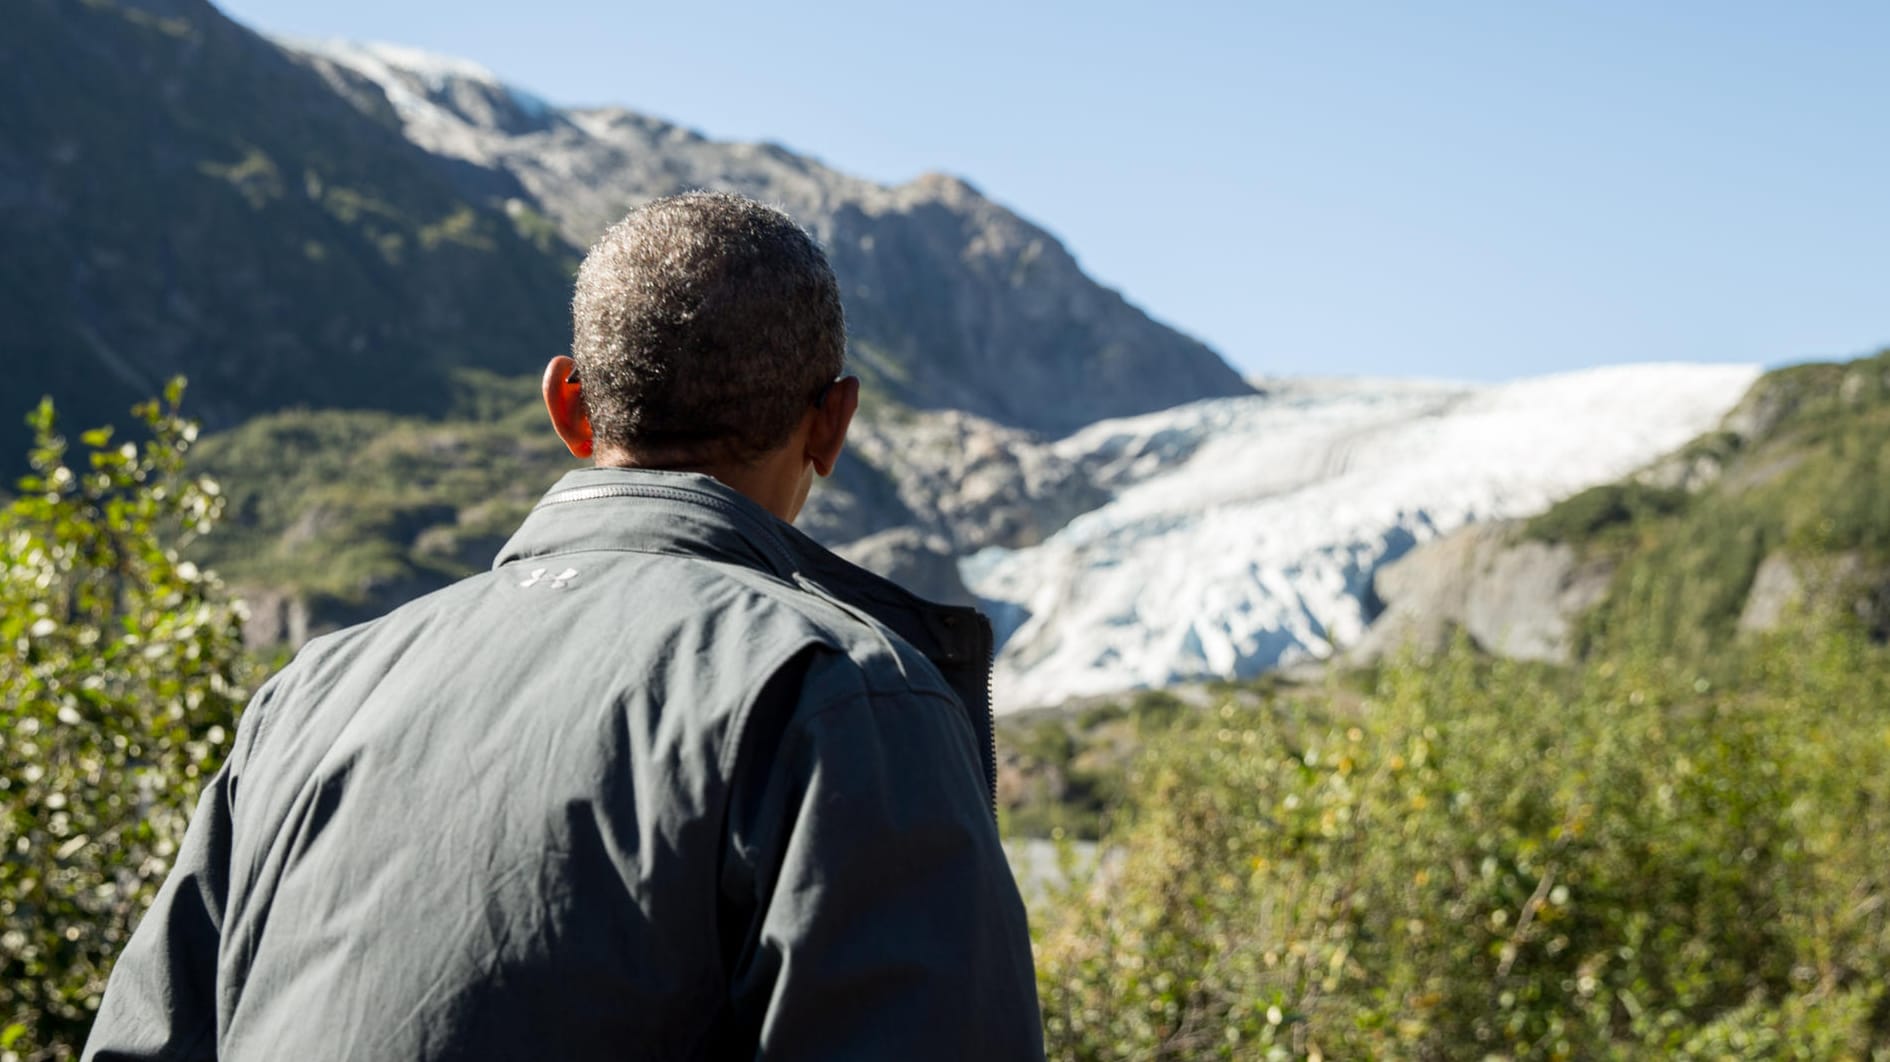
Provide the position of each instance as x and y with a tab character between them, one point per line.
703	325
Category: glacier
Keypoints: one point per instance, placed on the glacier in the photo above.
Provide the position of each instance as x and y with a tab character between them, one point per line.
1241	534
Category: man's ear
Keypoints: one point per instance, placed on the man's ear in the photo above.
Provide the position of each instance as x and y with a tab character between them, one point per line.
564	400
828	434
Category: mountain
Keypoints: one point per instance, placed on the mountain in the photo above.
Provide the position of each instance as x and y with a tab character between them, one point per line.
953	302
333	241
362	227
179	196
1243	534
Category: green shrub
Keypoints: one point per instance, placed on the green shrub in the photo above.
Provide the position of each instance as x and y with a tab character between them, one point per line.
1499	860
1155	710
120	677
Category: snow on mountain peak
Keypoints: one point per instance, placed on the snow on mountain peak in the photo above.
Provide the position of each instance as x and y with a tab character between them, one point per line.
1243	533
436	69
434	93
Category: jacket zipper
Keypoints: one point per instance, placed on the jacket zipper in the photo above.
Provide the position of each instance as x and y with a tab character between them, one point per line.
990	709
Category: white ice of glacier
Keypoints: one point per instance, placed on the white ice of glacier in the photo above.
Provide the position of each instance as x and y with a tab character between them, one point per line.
1243	533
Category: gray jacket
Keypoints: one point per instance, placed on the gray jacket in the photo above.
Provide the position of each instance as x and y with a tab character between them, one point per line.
670	781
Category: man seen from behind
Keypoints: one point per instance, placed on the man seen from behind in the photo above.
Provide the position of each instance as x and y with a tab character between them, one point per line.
670	781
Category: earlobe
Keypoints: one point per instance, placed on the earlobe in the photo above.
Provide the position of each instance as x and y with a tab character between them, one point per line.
564	401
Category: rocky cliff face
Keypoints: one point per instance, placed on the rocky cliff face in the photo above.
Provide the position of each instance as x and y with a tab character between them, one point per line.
1511	596
974	483
953	302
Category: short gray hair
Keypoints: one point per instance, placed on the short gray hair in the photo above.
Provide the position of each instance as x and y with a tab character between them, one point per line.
703	325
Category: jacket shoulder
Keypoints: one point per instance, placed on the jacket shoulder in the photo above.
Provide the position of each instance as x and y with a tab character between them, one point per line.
885	663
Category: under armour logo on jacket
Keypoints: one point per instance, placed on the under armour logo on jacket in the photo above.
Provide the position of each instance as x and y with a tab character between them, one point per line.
558	581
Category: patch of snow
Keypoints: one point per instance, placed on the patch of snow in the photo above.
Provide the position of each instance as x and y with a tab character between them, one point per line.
433	69
1243	533
414	81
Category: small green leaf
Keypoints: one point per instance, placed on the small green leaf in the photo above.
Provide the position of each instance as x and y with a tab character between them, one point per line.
97	438
11	1035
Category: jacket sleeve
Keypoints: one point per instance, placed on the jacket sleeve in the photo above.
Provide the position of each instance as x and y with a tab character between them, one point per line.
161	1001
886	922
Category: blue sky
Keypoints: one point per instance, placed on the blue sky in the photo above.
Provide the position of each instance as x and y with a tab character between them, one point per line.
1473	190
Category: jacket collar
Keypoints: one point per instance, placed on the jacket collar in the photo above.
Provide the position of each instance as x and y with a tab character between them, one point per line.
694	515
652	512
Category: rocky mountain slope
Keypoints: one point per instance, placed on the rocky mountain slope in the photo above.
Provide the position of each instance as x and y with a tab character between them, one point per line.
1512	595
953	302
179	196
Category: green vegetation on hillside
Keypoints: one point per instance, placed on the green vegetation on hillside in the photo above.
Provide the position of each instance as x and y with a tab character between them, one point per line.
1808	481
360	510
355	511
1609	514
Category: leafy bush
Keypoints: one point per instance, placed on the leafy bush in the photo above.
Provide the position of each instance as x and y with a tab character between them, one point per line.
1060	776
1493	859
120	679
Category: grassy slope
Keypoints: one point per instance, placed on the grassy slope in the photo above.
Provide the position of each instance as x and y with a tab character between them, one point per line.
1808	481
